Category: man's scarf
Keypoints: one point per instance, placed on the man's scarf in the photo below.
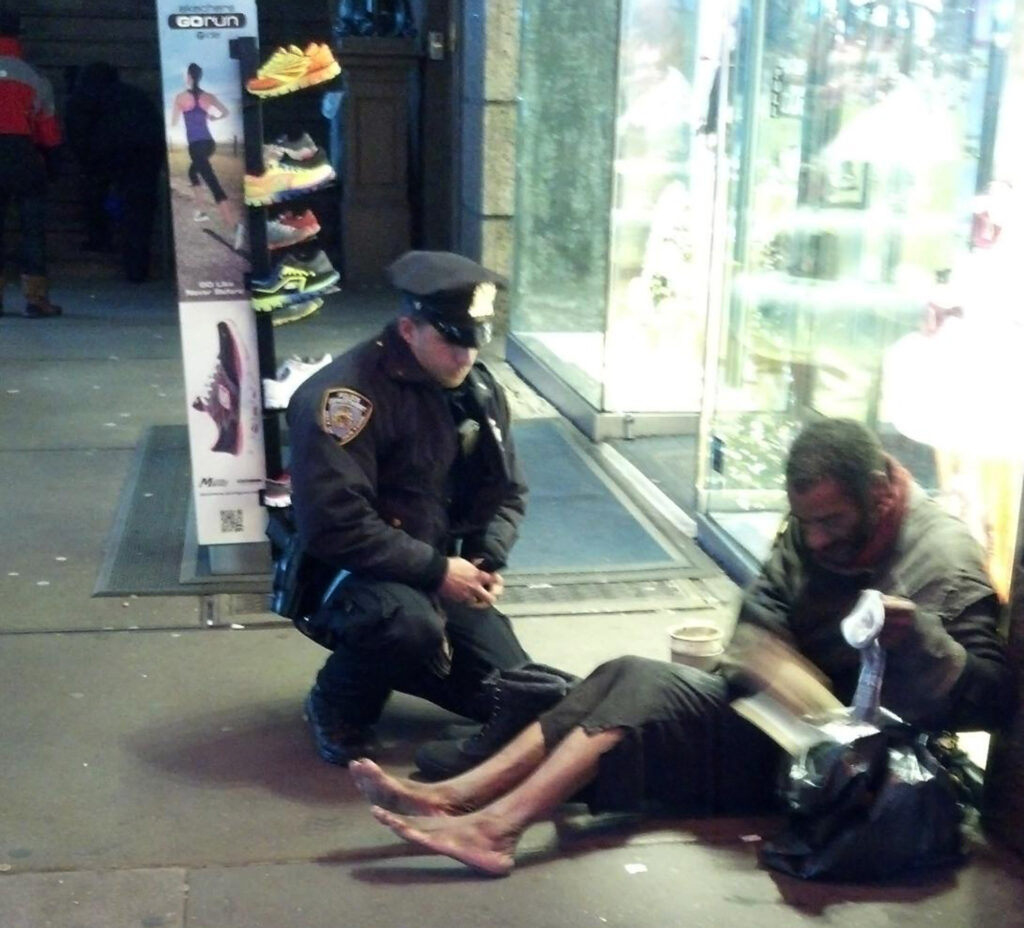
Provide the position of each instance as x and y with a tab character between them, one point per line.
889	513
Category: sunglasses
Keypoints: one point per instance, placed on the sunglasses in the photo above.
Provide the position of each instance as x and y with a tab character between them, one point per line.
473	336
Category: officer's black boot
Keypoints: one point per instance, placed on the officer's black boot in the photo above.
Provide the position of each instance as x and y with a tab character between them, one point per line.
518	696
337	741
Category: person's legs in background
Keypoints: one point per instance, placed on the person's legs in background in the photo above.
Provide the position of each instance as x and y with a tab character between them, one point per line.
94	187
139	191
32	255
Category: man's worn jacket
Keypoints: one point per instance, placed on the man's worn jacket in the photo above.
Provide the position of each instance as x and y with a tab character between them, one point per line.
373	444
951	671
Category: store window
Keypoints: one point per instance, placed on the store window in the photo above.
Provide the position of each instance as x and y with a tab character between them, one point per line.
613	203
873	227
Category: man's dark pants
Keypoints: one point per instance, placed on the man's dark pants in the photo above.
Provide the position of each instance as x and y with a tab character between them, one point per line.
389	636
31	208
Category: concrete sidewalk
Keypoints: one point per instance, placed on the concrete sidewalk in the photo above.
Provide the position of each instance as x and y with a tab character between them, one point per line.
157	771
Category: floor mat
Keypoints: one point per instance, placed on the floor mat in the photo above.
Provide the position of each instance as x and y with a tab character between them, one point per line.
579	525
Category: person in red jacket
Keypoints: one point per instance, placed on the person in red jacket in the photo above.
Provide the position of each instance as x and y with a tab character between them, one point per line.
29	138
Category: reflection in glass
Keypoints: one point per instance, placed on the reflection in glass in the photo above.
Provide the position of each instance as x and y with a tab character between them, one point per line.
564	148
657	303
862	132
611	225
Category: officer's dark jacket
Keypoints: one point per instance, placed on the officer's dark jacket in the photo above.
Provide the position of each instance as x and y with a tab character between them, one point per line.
379	504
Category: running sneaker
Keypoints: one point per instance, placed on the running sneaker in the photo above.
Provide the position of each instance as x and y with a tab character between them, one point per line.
280	182
292	68
293	312
287	163
297	157
293	280
289	229
294	370
300	149
222	395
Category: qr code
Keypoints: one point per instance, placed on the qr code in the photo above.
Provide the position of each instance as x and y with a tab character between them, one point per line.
231	520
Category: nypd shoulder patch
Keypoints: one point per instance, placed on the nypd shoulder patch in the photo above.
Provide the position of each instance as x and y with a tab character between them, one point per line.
345	413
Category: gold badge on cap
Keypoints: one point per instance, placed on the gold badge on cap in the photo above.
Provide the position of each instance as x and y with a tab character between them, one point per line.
482	306
345	414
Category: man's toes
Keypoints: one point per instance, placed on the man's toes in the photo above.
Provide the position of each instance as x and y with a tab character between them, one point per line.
387	817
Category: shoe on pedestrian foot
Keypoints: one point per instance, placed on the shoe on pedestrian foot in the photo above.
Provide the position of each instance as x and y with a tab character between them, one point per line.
336	740
37	297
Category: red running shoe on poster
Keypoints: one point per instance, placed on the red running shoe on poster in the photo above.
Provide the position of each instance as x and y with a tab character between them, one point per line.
229	398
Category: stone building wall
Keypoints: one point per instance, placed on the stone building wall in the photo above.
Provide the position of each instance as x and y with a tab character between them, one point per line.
490	79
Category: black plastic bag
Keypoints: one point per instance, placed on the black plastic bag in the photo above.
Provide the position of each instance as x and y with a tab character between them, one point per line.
871	809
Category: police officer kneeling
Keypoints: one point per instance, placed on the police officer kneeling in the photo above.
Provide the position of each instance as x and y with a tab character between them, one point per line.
407	499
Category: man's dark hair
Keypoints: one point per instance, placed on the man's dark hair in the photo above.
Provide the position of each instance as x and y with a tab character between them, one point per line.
843	450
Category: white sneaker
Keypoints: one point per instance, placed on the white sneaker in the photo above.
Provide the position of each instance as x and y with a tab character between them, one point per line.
277	393
300	149
200	216
241	236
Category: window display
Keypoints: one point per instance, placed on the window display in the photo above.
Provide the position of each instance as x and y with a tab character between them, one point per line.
564	149
854	286
614	185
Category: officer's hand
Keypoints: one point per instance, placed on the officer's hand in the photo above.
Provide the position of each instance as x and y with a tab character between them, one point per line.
497	584
466	583
899	620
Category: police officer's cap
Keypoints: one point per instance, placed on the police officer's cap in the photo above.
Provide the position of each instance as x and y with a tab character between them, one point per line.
451	292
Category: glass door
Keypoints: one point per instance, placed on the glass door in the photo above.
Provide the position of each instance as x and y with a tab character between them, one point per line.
862	134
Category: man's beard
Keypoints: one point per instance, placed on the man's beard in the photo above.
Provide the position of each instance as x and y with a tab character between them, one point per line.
843	554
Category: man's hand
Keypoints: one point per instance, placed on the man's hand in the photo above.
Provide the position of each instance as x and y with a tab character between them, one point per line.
899	620
772	665
466	583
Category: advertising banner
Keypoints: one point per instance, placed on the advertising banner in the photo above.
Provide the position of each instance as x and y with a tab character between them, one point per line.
202	96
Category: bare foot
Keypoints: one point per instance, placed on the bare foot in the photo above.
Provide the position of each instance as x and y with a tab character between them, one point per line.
469	839
397	793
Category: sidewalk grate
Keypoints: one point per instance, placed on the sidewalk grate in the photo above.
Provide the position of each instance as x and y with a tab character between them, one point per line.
535	598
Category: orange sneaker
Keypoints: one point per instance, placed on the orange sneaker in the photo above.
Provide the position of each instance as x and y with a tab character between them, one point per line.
290	69
322	64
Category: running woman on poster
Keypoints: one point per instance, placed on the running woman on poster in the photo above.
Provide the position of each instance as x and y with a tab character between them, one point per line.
198	108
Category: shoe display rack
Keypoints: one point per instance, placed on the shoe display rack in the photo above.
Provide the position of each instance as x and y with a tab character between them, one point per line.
289	288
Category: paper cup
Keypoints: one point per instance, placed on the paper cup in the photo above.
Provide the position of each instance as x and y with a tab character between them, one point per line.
697	644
